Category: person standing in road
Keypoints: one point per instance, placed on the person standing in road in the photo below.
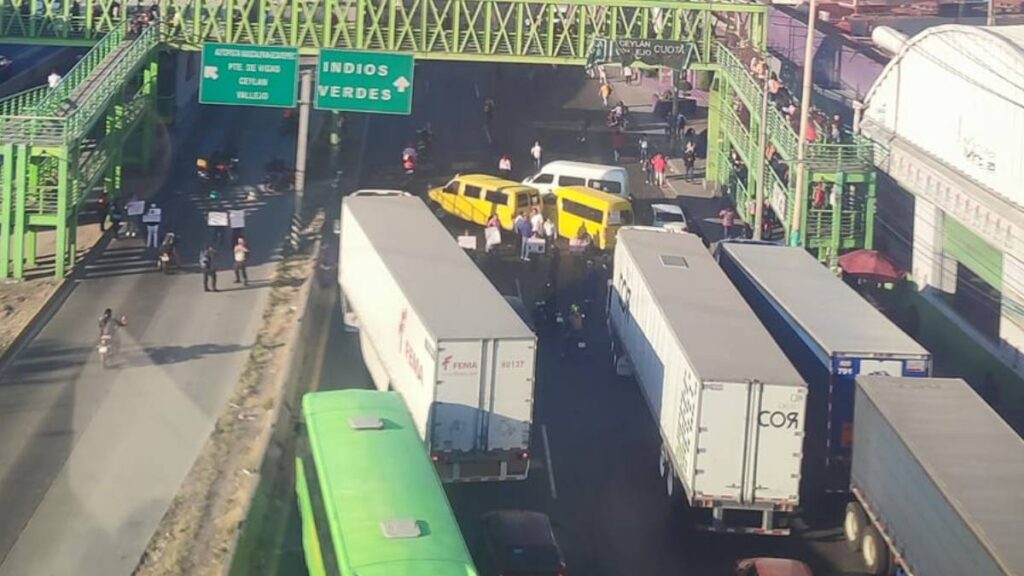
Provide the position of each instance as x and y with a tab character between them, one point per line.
659	163
602	74
241	259
505	166
728	219
605	90
152	220
525	230
209	270
549	232
584	128
103	207
648	170
116	215
618	142
645	148
536	153
537	222
627	75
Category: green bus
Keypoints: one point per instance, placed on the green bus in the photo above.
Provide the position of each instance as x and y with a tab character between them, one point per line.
370	500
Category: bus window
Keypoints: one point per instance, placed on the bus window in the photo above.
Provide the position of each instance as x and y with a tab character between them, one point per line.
606	186
452	187
495	197
471	191
621	217
585	212
571	181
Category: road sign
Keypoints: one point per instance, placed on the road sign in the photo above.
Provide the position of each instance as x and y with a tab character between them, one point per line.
241	75
364	81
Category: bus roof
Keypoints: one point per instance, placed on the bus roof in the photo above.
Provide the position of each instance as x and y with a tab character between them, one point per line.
832	313
449	294
370	476
493	182
586	191
720	335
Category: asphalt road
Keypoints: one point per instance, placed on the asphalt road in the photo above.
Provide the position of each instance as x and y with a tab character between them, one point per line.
600	482
90	458
32	64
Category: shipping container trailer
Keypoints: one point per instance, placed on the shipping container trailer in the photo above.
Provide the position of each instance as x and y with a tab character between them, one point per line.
936	478
728	404
433	328
831	334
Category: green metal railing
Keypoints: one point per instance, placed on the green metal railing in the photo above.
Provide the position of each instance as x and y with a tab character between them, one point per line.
18	103
81	73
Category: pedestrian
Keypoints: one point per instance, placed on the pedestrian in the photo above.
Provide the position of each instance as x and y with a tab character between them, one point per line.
659	163
103	207
618	141
537	222
728	217
602	74
209	270
645	148
116	215
605	90
680	124
627	75
525	231
505	166
648	170
584	128
549	231
53	79
536	153
689	158
152	221
241	258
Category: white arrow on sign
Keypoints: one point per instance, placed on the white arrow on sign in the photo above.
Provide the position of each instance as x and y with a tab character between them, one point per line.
401	84
210	72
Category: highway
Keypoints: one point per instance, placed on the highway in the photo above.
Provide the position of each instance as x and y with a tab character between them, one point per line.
32	64
90	458
600	481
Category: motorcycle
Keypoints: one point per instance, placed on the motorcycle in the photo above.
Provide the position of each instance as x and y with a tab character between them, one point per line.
106	349
409	165
166	260
227	170
542	315
575	331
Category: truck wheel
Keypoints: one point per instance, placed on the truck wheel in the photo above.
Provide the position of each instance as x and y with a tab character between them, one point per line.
670	481
875	552
853	525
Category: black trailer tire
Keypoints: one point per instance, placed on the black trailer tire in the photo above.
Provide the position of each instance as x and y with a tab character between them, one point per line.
875	552
854	522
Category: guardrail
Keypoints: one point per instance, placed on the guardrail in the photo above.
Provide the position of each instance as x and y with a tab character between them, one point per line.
22	101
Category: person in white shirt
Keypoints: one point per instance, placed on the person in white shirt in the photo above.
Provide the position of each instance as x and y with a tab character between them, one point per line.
53	79
536	152
537	222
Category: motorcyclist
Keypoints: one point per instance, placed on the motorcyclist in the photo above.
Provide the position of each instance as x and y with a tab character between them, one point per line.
169	249
108	325
409	157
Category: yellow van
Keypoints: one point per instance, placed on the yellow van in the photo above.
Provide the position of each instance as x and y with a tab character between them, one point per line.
475	197
599	212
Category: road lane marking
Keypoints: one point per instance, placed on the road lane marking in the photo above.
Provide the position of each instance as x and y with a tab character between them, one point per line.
547	461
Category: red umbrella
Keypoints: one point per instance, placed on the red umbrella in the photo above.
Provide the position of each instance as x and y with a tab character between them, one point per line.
870	264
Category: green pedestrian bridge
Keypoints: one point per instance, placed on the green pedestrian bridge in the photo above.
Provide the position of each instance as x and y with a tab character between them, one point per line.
60	146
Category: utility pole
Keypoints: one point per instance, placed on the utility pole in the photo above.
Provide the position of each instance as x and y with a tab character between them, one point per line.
990	20
305	99
762	145
801	137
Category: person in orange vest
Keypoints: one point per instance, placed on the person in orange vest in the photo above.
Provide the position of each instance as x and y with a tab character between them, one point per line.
605	90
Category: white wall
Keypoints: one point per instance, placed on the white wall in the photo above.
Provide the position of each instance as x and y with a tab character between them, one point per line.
930	265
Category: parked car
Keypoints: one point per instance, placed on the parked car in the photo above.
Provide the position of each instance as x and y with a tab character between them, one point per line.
5	67
522	543
772	567
670	217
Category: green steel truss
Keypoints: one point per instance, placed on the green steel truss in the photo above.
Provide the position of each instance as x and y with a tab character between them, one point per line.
849	166
58	145
509	30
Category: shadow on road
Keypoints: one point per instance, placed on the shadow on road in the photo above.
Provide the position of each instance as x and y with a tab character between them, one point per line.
175	354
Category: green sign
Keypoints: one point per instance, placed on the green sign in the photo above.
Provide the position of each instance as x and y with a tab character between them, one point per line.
242	75
364	81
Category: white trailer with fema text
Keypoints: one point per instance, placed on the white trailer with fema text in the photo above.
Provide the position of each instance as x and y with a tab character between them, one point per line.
433	328
729	405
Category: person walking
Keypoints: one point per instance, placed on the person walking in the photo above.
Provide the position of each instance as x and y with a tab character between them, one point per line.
525	231
602	74
728	217
645	148
618	142
103	207
241	259
209	270
648	170
605	90
536	152
152	221
689	159
53	79
505	166
659	163
116	215
627	75
549	232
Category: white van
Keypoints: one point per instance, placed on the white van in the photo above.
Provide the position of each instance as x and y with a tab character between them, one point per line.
611	179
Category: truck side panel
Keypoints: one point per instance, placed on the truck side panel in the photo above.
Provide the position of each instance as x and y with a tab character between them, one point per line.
511	405
721	444
462	377
929	533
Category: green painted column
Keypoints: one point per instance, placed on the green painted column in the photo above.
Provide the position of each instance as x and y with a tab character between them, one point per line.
60	244
714	147
149	117
115	129
6	209
837	221
20	191
869	211
336	124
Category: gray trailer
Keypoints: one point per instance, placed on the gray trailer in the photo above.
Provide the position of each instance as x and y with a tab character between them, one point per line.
937	477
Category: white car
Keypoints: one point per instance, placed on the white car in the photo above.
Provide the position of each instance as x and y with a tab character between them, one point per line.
669	217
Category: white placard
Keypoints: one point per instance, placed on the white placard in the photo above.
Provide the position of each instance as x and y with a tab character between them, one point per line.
492	236
237	218
467	242
217	219
136	208
152	216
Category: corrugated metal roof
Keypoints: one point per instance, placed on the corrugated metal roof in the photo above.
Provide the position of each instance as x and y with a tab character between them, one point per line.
838	318
971	453
445	288
719	333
